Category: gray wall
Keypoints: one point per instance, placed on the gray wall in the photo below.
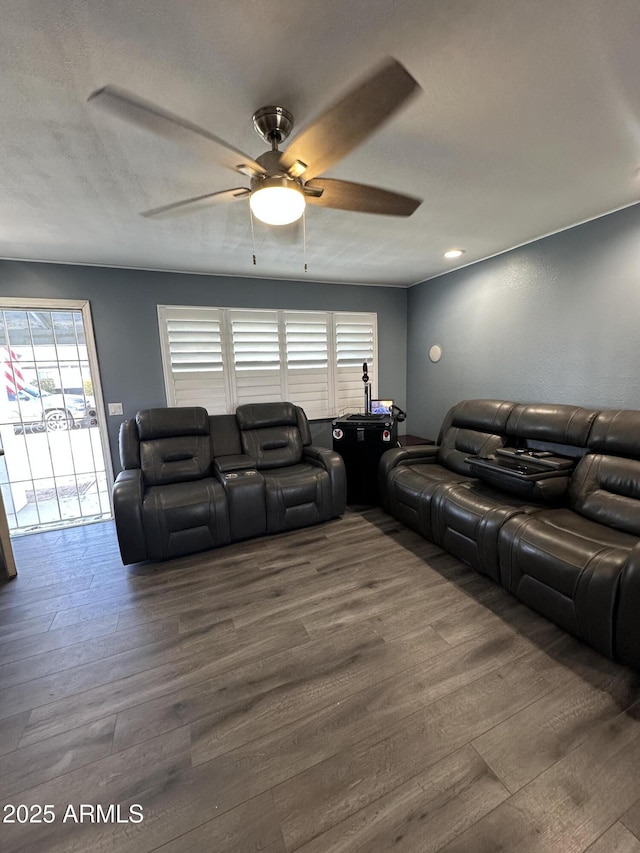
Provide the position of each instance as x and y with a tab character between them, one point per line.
124	309
555	321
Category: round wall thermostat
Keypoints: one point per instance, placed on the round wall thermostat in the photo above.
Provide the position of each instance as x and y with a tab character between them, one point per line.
435	353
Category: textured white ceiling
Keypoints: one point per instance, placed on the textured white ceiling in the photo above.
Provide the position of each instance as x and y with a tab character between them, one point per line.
529	123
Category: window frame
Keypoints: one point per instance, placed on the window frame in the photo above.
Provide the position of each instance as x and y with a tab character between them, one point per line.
226	316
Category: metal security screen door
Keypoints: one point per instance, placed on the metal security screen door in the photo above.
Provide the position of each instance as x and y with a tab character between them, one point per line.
54	471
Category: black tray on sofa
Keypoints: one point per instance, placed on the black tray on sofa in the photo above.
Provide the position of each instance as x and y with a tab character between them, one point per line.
540	459
521	473
521	467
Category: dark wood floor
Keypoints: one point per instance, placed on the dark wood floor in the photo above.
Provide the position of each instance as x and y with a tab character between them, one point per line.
348	688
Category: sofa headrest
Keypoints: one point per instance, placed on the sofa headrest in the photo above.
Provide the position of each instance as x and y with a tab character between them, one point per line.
483	415
168	423
606	489
273	447
261	415
617	433
471	428
550	422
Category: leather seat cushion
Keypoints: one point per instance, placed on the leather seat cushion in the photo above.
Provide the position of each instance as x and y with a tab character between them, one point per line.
566	567
182	518
467	519
411	488
297	496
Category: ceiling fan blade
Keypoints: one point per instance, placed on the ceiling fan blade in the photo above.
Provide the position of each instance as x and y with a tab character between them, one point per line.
345	195
151	117
350	120
197	203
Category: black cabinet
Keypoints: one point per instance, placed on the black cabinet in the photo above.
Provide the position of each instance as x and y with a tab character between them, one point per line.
361	441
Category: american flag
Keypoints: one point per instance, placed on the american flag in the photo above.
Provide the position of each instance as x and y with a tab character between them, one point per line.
13	377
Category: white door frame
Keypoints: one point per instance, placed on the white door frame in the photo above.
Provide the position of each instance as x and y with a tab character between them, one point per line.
35	304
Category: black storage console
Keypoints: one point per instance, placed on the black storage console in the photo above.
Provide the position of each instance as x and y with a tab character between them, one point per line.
361	440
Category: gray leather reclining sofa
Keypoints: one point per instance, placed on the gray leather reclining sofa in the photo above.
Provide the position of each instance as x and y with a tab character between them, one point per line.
544	500
191	481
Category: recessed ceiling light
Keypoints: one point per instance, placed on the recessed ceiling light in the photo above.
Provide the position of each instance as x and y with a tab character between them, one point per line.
454	253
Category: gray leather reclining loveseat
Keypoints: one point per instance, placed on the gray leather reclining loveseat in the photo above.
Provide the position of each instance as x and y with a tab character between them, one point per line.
191	481
544	500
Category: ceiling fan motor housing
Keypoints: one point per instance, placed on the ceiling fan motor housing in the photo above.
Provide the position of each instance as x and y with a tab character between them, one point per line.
262	182
273	124
274	171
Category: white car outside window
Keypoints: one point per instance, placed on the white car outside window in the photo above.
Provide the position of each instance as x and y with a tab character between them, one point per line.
35	411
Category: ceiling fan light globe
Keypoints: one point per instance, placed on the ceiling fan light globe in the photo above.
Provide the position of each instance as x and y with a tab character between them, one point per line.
277	205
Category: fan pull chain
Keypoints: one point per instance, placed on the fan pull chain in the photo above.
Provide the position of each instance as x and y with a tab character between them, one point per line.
253	237
304	240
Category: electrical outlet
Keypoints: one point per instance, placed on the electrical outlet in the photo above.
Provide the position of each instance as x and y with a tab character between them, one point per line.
115	408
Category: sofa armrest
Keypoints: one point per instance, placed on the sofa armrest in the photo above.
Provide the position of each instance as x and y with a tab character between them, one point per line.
234	462
333	464
128	491
418	454
627	617
129	445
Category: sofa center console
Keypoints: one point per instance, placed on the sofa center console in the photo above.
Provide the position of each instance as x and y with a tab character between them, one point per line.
521	464
542	459
538	475
245	491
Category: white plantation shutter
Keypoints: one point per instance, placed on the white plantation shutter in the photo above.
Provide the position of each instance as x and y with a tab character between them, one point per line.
220	358
255	343
193	361
307	367
355	343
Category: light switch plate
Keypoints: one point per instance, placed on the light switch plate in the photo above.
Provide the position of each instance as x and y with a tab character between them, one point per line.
115	408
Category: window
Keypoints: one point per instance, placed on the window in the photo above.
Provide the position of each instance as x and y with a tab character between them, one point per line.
220	358
308	371
355	344
191	343
254	358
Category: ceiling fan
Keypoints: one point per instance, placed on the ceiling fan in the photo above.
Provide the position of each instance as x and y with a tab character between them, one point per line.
282	182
